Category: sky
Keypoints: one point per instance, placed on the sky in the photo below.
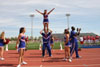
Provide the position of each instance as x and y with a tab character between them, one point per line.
84	14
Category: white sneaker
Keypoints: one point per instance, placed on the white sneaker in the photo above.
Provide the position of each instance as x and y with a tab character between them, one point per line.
70	60
51	56
65	59
19	65
2	59
23	62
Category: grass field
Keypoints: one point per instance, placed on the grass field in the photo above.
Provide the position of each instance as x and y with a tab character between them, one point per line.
35	45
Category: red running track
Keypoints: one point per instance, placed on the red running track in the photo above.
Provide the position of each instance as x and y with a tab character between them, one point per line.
90	58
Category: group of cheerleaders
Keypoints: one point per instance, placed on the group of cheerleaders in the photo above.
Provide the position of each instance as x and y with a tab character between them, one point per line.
70	41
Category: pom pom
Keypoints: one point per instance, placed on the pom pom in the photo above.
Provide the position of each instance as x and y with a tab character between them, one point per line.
7	41
26	39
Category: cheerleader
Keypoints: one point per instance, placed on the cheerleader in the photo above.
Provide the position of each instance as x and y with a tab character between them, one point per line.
74	42
52	42
46	42
45	16
67	45
21	46
2	40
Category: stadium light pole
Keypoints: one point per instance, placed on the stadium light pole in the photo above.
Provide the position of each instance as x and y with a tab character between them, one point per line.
68	20
32	16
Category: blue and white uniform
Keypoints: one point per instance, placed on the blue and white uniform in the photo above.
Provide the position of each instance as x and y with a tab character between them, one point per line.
46	43
67	44
22	43
74	43
45	20
1	43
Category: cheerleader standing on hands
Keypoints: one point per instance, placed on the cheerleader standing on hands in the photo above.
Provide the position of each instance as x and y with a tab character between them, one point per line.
45	16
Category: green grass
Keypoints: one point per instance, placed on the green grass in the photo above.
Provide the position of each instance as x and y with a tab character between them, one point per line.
34	46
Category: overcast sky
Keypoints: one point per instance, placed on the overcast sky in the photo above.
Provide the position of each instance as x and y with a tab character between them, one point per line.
15	14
